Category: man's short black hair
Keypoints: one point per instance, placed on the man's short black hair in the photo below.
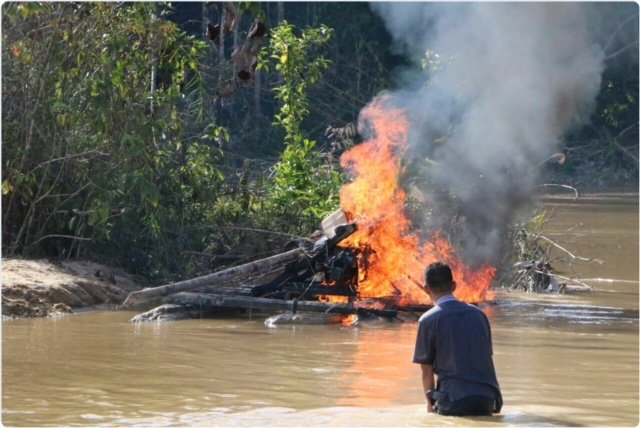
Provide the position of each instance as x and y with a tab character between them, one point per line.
439	277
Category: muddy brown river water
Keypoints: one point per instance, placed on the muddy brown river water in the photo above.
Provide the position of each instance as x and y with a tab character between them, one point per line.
562	360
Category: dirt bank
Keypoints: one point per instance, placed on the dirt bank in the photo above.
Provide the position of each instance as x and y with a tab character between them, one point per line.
38	288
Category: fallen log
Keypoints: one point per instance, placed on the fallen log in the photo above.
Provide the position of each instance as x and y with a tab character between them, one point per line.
166	313
172	312
225	275
207	301
314	318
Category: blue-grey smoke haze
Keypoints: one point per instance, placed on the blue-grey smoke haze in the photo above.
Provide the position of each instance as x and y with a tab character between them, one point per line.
508	81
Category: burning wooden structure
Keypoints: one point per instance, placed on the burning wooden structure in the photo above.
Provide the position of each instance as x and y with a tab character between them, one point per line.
316	276
368	258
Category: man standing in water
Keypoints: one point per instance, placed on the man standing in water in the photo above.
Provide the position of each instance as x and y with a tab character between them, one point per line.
454	343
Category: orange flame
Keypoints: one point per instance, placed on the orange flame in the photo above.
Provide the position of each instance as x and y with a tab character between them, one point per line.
391	259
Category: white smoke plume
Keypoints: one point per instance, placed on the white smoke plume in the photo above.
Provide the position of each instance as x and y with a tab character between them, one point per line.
512	79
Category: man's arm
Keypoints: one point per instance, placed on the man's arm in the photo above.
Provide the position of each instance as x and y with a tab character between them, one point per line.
428	383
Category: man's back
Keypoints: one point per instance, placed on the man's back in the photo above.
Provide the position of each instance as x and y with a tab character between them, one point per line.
454	343
455	338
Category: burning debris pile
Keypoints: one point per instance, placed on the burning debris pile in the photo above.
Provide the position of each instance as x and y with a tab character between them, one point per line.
366	260
392	257
315	276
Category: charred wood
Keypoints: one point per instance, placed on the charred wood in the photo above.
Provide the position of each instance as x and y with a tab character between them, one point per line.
415	308
206	302
306	266
313	289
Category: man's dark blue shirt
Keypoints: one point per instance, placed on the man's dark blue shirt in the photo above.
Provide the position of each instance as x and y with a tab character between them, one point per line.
455	338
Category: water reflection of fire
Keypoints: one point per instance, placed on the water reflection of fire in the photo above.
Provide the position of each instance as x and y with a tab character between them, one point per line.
381	372
391	259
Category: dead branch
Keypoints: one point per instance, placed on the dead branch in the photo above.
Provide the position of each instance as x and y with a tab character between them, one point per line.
626	281
270	232
617	31
624	150
619	51
571	280
564	186
78	238
573	256
67	157
219	257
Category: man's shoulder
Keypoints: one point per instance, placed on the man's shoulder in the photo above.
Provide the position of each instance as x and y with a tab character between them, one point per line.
431	314
460	306
469	309
472	308
449	307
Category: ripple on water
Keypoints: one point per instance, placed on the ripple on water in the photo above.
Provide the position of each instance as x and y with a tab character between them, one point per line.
568	312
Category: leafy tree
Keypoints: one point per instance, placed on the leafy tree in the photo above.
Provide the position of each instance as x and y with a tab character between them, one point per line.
96	155
305	188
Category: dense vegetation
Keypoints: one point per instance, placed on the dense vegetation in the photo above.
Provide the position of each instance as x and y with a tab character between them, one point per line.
605	150
128	137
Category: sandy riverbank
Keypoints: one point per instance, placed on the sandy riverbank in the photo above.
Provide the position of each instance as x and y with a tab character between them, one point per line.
39	288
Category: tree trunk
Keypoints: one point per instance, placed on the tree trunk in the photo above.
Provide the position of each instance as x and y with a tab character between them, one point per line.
225	275
154	76
205	15
223	14
154	65
257	88
280	19
236	36
207	301
280	12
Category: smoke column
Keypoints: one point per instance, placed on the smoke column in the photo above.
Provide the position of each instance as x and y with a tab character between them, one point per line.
513	78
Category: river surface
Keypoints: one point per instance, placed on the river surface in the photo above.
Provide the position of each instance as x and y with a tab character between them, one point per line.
567	360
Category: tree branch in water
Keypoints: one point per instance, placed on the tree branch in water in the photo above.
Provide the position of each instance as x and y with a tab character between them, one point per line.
564	186
571	280
573	256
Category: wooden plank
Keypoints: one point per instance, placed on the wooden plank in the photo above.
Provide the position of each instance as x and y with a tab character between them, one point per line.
313	289
333	220
208	301
225	275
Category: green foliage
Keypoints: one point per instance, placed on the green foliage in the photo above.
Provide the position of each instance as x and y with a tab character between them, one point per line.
527	266
433	62
606	149
92	148
298	61
618	98
305	189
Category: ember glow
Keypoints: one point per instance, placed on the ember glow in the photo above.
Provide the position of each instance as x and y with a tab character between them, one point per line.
391	259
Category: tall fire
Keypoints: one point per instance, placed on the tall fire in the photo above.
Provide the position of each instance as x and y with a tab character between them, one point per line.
391	259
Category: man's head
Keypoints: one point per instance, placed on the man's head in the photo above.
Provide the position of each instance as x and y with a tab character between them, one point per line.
439	279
